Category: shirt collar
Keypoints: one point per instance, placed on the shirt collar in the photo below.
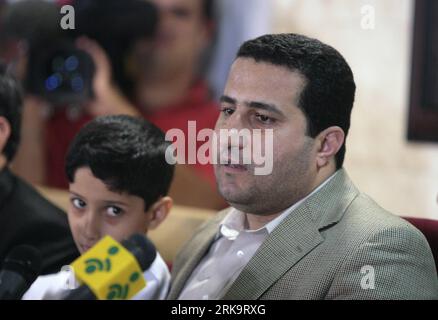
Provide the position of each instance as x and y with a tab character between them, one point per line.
234	221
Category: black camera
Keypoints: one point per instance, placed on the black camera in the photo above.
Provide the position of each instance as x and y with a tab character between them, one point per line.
56	69
60	73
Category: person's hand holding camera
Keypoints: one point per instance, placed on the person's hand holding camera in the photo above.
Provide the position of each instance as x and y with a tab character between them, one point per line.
108	98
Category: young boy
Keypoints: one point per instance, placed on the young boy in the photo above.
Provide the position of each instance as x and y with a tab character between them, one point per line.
119	180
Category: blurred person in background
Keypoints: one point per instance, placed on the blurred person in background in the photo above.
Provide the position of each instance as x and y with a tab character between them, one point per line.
26	218
165	86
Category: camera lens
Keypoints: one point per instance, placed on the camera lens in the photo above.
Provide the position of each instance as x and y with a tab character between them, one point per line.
71	63
53	82
77	83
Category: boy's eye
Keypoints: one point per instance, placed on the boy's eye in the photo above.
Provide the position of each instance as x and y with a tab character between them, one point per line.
114	211
78	203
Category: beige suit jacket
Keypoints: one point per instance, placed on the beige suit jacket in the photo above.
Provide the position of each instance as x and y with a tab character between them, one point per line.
339	244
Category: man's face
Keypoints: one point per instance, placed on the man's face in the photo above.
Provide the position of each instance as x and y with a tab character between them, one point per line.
259	95
182	32
95	211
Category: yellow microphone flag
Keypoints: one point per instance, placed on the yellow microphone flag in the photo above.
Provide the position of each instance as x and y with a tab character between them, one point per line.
110	271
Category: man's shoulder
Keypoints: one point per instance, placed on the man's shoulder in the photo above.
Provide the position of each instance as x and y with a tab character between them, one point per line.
26	210
365	236
366	218
369	236
369	231
31	219
342	208
25	198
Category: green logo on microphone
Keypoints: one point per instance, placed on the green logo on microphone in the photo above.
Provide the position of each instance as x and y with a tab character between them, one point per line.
119	291
92	265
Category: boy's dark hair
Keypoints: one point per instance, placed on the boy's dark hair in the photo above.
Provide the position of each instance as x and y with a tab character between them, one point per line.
125	153
11	109
328	95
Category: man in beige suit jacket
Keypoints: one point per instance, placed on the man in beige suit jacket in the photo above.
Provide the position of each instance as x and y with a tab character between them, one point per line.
303	231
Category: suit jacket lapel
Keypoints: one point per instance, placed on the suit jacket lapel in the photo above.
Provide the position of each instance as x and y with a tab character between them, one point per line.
328	205
195	251
294	238
283	248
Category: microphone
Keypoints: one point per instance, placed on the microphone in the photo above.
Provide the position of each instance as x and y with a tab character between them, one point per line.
110	270
20	269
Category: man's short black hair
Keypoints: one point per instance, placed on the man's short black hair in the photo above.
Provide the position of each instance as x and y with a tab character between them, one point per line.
125	153
328	95
11	109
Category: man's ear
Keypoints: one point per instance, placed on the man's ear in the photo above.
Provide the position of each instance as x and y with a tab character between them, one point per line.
330	141
5	133
159	211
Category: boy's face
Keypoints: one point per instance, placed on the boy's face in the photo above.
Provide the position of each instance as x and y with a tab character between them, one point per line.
95	211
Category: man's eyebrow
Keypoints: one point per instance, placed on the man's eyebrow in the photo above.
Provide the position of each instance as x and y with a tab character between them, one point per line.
253	104
227	99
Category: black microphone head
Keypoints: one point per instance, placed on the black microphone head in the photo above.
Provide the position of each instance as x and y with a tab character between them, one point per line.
142	249
24	260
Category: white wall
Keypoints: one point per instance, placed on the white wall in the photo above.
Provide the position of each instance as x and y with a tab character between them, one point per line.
402	177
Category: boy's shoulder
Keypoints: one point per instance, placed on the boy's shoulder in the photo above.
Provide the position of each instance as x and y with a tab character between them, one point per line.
51	287
157	281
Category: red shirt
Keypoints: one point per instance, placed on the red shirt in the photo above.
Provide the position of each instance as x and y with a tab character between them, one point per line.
196	106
